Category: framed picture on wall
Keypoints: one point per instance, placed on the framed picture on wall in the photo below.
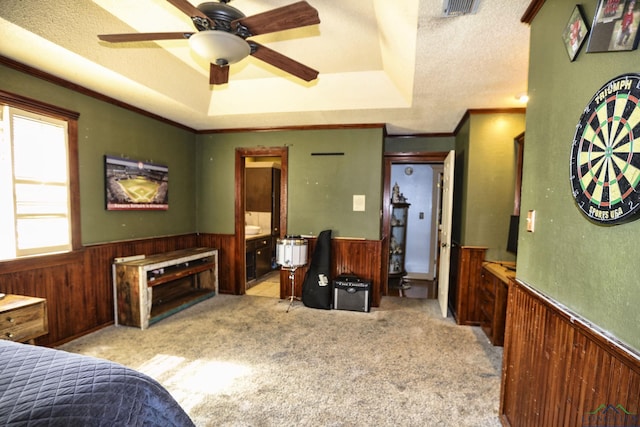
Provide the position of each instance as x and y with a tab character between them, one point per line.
615	26
575	33
135	185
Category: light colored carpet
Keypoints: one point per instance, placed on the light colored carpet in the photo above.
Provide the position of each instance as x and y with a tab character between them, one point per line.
244	361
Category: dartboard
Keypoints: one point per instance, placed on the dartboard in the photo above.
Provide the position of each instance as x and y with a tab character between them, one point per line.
605	154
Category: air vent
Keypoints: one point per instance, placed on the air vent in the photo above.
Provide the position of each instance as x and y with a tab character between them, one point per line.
460	7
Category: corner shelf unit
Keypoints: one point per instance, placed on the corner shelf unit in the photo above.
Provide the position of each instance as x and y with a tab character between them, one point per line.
397	242
148	289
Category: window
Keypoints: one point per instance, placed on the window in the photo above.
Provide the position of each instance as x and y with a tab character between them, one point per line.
36	201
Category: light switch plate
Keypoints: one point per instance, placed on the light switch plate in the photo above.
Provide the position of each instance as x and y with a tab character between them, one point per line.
358	202
531	221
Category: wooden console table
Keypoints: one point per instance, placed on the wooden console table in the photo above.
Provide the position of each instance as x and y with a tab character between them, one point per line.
22	318
154	287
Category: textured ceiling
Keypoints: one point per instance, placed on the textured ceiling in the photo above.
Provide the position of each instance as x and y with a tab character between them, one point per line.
397	62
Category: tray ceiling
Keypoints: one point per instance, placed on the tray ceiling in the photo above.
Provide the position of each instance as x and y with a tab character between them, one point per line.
398	62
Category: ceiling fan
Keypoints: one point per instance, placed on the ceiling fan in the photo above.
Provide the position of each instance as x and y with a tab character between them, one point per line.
223	32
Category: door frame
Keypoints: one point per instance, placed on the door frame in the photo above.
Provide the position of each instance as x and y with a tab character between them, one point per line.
390	159
240	250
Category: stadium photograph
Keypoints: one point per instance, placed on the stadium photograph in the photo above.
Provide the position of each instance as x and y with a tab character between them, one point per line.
135	185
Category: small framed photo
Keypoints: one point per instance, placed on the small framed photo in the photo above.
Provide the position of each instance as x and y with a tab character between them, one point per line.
575	33
615	26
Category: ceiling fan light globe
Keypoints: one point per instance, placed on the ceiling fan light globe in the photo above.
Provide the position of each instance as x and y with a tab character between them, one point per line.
219	46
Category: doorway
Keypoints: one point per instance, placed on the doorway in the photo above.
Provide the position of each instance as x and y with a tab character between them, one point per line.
419	183
418	175
241	157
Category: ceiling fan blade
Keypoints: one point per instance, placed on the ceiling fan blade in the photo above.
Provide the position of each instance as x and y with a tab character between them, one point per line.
218	75
283	62
295	15
188	9
140	37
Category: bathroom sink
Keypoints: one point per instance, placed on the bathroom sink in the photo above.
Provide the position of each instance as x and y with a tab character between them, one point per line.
251	229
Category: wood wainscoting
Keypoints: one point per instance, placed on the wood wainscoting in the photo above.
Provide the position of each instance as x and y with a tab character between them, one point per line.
226	245
79	291
465	283
558	371
78	285
357	257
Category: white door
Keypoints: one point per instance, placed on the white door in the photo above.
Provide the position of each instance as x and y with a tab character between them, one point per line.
445	232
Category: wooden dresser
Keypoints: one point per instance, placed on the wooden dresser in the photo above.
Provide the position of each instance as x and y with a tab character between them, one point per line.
23	318
494	290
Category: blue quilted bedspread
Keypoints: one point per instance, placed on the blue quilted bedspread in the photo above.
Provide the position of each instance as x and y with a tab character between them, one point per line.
42	386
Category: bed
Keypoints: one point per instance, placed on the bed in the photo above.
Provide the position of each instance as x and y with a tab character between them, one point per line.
43	386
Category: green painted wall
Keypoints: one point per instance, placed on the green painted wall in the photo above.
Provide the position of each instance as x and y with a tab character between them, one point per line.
460	189
586	267
423	144
321	188
107	129
490	176
485	181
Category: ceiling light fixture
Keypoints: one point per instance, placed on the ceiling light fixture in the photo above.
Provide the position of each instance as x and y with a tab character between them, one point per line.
219	47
